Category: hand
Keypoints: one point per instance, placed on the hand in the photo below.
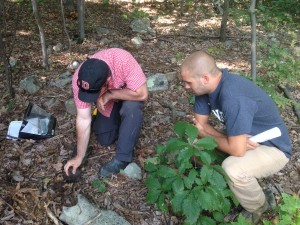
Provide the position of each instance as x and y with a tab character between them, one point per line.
251	144
74	163
200	128
102	100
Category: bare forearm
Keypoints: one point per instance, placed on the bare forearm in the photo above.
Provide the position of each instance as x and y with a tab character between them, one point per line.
231	145
141	94
211	131
83	128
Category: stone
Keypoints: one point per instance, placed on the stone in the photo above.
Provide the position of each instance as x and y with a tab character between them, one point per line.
51	103
157	82
63	80
70	106
58	47
171	76
137	41
141	25
73	66
12	61
30	84
85	212
133	171
105	41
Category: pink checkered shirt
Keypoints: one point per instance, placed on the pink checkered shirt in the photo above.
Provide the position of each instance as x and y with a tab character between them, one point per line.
125	73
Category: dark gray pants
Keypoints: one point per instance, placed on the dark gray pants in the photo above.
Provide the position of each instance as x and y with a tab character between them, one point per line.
123	125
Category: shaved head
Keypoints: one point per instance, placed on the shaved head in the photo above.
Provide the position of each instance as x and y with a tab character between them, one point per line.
199	63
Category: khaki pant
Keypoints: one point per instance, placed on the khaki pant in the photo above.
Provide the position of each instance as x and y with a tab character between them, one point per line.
244	172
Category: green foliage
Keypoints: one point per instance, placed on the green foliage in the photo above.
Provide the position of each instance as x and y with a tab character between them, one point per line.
99	185
175	184
289	211
135	15
179	57
10	105
105	2
278	13
280	66
241	221
215	51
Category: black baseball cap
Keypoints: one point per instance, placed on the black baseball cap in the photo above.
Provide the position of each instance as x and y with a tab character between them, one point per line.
92	74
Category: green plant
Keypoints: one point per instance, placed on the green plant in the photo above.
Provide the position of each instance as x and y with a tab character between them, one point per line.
10	105
179	57
135	15
280	67
176	185
288	211
99	185
241	221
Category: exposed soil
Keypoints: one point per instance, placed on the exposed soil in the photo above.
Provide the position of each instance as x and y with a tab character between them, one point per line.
31	178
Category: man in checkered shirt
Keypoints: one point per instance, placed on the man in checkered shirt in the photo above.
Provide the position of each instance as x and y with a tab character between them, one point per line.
115	82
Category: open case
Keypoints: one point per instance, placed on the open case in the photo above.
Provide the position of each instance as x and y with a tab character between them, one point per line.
37	124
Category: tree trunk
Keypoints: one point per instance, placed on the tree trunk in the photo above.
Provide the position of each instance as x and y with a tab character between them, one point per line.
253	40
3	56
41	31
64	24
224	21
81	9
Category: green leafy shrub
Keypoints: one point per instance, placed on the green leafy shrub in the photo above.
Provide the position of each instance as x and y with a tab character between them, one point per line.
288	211
281	67
199	194
99	185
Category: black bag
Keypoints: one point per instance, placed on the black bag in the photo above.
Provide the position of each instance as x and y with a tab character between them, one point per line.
37	124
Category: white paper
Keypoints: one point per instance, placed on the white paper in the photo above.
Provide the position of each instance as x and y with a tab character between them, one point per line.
266	135
13	129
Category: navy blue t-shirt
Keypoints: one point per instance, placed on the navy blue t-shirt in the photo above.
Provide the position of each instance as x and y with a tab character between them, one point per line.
244	108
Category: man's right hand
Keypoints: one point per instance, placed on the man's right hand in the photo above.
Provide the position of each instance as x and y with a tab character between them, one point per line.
74	163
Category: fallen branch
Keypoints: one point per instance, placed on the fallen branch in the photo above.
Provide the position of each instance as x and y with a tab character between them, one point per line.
51	215
296	105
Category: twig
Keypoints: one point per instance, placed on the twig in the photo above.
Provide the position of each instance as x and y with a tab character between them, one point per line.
289	96
52	216
2	200
98	156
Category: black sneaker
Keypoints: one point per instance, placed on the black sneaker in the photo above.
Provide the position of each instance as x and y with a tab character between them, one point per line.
112	167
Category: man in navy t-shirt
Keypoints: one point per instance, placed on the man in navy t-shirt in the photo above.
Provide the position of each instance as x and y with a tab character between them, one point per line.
245	110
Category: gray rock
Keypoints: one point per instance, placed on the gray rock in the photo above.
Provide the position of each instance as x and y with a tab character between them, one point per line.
73	66
137	41
58	47
51	103
17	176
12	61
115	45
228	43
86	213
141	25
157	82
70	106
133	171
30	84
105	41
171	76
63	80
180	114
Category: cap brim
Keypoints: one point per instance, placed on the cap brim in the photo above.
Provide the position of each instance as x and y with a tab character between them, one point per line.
88	97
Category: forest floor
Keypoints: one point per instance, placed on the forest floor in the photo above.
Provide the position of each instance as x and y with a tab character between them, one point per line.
31	178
